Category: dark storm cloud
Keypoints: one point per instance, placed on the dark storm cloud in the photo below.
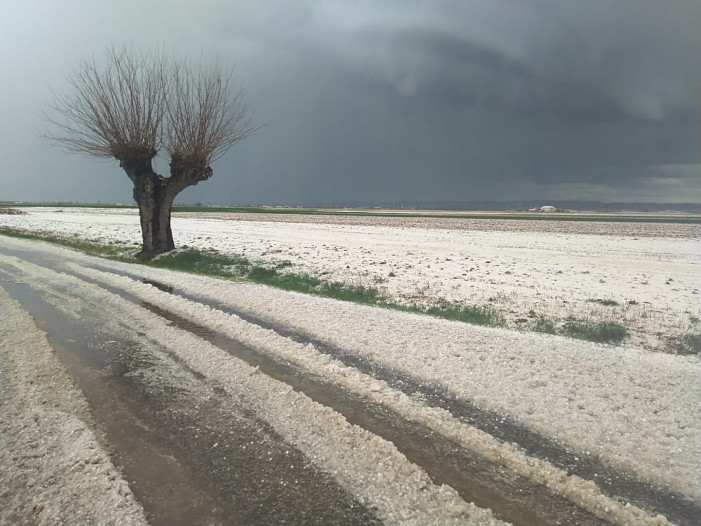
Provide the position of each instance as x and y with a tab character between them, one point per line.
566	102
446	70
398	100
564	74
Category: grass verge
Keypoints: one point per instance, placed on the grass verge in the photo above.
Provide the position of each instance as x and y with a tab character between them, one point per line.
686	344
595	331
233	267
474	314
118	252
544	325
212	263
605	302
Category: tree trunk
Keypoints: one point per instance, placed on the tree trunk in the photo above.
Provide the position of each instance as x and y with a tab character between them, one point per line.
155	195
155	199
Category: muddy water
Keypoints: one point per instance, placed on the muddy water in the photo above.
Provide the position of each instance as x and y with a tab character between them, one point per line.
190	457
163	485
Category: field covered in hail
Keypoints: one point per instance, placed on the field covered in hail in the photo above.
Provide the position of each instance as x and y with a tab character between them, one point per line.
550	276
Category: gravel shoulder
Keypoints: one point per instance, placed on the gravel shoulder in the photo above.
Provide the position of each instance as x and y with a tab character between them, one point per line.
54	470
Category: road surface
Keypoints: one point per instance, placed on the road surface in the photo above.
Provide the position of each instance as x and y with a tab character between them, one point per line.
226	403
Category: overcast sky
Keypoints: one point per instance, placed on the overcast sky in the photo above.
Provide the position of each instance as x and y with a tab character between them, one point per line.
389	101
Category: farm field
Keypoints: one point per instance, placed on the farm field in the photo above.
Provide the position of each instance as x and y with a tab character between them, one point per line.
395	417
551	276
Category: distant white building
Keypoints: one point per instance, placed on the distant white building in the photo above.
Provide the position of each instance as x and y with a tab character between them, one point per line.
546	208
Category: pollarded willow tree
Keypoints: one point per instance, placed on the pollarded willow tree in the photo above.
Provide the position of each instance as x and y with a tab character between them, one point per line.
134	105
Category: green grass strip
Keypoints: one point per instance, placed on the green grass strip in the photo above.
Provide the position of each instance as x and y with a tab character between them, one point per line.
239	268
595	331
689	343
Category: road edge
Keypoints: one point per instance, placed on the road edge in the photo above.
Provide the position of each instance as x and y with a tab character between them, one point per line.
54	470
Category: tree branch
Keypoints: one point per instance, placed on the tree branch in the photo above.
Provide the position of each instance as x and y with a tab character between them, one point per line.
205	117
114	110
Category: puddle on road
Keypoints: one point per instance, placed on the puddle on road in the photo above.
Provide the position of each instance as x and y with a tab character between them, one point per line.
475	478
188	461
165	488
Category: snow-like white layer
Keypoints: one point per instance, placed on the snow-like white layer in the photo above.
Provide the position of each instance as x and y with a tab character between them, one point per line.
53	469
371	468
638	410
584	494
524	269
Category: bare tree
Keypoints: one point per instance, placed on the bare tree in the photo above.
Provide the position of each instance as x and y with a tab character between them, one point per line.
137	104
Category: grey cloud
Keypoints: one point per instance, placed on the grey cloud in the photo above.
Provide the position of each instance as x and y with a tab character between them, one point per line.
564	75
393	100
447	69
